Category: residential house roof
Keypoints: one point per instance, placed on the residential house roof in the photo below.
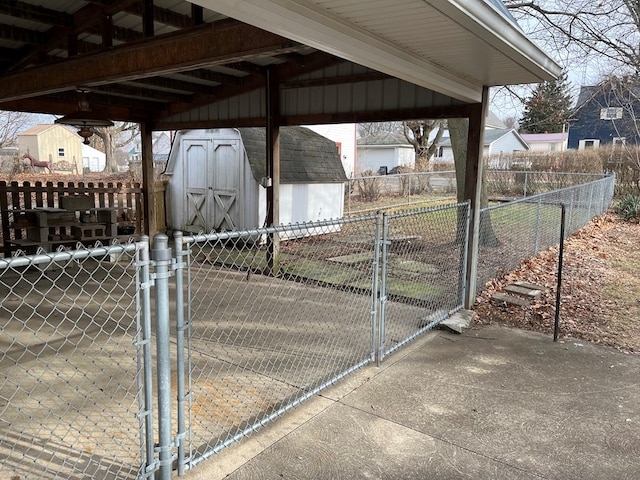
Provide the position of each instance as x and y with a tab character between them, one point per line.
383	139
38	129
491	135
544	137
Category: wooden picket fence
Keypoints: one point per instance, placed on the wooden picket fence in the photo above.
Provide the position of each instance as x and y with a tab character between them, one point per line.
126	198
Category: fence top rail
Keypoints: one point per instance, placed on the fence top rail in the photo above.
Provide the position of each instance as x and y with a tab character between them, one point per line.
543	172
609	178
419	211
393	175
80	253
291	227
132	186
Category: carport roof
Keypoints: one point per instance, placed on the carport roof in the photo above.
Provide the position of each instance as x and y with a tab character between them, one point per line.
175	64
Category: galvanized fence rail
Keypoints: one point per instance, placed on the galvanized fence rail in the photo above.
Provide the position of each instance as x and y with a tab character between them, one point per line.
71	361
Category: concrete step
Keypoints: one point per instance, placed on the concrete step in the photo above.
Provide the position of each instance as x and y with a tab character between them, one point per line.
510	299
531	286
522	291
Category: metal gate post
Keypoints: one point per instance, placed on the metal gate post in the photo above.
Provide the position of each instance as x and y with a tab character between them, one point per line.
383	288
144	342
374	288
161	255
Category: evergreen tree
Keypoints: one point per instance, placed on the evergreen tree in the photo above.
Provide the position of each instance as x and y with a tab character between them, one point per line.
548	109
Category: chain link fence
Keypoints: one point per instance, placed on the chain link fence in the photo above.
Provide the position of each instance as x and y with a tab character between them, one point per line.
368	193
99	381
70	384
522	228
509	184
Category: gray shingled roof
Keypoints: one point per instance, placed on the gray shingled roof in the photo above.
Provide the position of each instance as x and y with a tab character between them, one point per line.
305	156
383	138
490	136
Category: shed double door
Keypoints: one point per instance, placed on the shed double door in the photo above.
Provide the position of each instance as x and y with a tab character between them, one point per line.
214	172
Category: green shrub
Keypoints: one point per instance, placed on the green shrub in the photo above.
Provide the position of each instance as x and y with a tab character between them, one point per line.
629	207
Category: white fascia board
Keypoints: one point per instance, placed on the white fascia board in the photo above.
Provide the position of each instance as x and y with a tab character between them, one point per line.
483	21
305	22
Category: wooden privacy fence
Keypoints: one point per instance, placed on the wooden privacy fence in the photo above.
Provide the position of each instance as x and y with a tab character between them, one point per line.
15	198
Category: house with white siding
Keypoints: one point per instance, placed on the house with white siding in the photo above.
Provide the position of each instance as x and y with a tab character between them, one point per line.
499	144
383	152
546	142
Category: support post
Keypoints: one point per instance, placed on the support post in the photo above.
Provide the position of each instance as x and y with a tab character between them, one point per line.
148	181
273	170
161	255
473	191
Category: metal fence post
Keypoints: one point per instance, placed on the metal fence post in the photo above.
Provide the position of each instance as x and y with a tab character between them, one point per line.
180	347
161	255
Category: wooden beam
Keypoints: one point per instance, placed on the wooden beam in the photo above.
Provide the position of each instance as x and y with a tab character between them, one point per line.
82	20
444	112
23	35
147	18
285	71
272	90
148	181
171	53
473	191
172	85
15	8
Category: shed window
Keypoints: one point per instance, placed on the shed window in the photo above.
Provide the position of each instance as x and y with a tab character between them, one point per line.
61	151
611	113
619	140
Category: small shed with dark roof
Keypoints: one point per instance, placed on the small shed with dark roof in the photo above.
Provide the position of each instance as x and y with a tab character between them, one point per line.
217	177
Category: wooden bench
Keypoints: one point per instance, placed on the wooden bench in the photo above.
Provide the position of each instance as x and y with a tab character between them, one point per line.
64	166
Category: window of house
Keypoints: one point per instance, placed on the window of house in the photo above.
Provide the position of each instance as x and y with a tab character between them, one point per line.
61	151
588	143
619	140
611	113
553	146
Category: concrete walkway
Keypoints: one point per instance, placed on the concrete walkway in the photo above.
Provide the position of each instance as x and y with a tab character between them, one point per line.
493	403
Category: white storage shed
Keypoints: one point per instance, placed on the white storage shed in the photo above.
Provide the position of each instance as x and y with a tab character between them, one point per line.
216	174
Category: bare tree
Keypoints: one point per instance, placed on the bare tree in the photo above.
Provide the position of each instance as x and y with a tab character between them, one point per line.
113	138
11	124
372	128
583	31
418	133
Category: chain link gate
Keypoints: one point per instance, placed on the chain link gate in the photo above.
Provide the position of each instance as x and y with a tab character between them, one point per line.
424	255
71	331
262	338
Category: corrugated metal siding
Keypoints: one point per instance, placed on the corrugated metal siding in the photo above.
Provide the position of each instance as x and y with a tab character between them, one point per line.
367	96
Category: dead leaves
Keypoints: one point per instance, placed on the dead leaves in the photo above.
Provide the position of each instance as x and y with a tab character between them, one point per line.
586	311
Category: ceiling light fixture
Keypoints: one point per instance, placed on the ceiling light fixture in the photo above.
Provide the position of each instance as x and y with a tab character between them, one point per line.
84	118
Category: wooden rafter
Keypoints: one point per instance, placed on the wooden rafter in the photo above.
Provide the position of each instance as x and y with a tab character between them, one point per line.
199	47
